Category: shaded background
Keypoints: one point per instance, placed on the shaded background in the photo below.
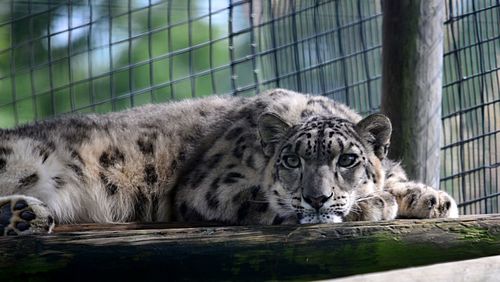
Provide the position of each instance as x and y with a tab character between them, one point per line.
58	57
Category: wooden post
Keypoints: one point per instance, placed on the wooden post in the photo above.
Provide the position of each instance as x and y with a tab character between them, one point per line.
411	84
146	252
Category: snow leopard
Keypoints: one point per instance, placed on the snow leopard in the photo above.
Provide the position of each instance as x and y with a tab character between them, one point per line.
279	157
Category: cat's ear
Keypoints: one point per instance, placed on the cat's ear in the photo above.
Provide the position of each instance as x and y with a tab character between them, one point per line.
376	129
272	130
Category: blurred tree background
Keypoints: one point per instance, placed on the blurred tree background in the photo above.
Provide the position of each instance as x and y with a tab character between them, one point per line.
59	57
97	56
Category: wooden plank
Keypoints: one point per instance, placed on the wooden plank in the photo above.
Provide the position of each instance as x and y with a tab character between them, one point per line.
411	83
150	251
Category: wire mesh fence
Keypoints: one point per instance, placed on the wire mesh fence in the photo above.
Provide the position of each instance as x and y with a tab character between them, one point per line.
471	105
84	56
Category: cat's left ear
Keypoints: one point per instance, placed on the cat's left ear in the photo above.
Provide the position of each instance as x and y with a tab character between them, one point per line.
376	129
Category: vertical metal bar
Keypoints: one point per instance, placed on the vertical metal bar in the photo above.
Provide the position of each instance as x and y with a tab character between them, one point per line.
365	56
112	89
49	55
150	53
131	78
295	48
316	19
210	48
274	44
461	126
341	52
13	65
170	58
89	56
308	79
253	46
470	121
32	62
69	50
190	51
468	101
447	154
231	50
349	61
482	93
495	117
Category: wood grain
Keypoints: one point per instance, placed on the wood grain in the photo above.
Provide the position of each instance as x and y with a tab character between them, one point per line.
299	252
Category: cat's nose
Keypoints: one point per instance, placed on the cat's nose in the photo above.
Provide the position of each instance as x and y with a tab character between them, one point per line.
316	202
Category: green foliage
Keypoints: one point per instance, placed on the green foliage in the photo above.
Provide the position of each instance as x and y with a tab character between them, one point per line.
56	59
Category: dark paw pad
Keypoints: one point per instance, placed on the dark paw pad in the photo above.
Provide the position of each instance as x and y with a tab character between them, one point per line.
22	226
5	215
28	215
21	204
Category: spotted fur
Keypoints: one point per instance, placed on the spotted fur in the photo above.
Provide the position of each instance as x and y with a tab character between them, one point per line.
277	158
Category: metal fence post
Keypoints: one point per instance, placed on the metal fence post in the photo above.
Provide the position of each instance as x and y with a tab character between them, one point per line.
411	83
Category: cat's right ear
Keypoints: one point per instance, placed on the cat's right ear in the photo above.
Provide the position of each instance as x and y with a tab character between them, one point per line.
272	129
376	129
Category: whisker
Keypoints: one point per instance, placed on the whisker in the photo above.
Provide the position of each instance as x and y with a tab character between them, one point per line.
367	198
255	201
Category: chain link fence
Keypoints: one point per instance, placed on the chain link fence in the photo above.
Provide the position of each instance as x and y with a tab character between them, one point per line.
58	57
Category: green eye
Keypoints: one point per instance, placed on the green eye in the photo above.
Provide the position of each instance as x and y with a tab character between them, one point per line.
347	160
291	161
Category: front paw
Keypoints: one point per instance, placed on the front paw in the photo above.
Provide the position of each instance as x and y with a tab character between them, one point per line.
373	207
22	215
421	201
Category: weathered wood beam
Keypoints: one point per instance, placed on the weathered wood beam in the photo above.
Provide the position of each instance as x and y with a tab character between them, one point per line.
411	83
146	252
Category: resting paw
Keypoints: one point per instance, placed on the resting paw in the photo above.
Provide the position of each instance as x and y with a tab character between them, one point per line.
421	201
22	215
374	207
